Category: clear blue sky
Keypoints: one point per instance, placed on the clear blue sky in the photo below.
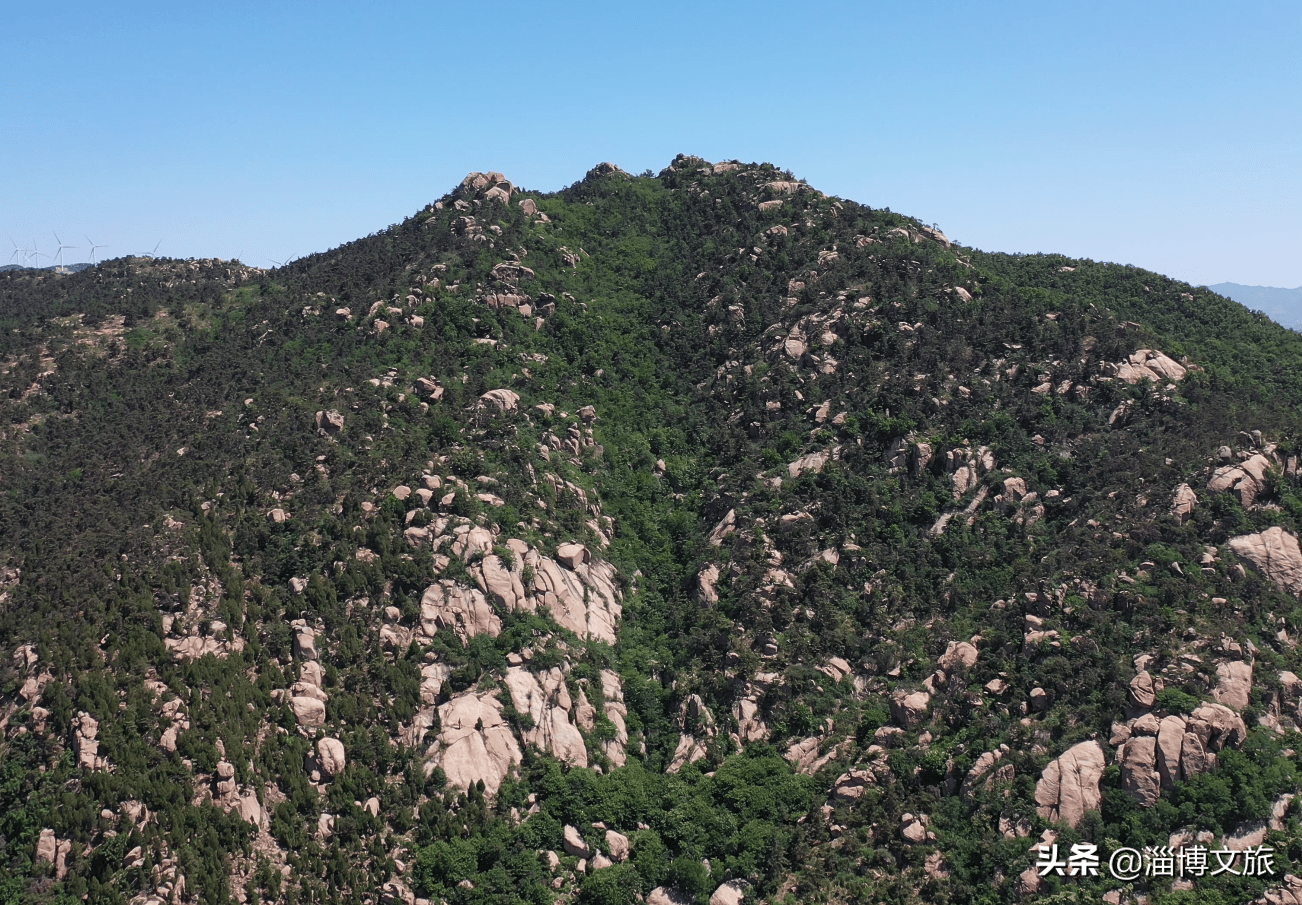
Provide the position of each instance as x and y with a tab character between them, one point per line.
1162	134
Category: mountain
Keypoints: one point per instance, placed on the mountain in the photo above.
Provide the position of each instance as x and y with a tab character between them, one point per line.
1283	305
678	538
72	268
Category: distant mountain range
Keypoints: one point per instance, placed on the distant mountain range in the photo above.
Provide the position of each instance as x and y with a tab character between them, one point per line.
73	268
1284	306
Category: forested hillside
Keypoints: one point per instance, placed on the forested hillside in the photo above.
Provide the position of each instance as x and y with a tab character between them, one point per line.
696	537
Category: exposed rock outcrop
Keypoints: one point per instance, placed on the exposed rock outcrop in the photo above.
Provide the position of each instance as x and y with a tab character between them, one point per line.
1069	785
474	743
1275	554
544	697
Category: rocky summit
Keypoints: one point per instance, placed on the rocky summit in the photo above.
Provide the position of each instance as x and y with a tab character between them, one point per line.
683	538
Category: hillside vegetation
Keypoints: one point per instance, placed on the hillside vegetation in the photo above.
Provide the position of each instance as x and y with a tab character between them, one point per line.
679	538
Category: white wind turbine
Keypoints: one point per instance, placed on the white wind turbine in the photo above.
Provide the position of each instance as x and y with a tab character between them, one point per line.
17	252
150	254
37	254
93	246
60	265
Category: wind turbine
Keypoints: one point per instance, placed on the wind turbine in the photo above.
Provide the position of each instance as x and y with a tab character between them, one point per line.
17	251
37	254
93	246
150	254
60	265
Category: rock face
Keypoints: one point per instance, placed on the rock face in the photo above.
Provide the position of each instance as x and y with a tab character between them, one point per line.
547	701
574	844
1069	786
1233	684
1275	554
1143	693
464	610
617	845
474	744
1157	754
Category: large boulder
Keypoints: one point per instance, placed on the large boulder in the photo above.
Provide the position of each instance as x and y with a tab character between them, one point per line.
909	708
617	844
731	893
1275	554
1183	502
1069	785
308	711
330	422
330	752
503	400
959	654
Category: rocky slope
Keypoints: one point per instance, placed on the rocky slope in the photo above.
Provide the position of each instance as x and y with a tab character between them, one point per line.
688	537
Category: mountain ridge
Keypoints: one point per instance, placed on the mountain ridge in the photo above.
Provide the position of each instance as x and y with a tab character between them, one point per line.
634	502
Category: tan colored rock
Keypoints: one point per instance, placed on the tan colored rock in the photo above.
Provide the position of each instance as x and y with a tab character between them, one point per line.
727	525
45	847
1142	691
978	774
464	610
958	655
1234	684
503	400
616	711
1183	502
1170	743
812	463
330	752
705	590
1139	775
1275	553
547	701
731	893
851	786
667	895
331	422
1217	727
1069	785
618	846
573	556
584	600
502	585
308	710
574	843
305	643
909	708
914	828
249	808
474	743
